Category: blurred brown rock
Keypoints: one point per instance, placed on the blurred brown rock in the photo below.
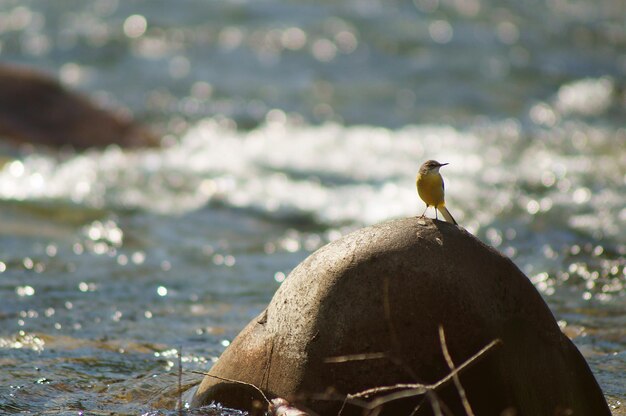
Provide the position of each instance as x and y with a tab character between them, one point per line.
425	274
37	109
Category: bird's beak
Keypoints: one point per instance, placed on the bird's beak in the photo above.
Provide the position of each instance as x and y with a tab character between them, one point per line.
443	164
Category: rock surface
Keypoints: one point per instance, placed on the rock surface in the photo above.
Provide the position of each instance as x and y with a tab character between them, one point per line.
36	109
386	289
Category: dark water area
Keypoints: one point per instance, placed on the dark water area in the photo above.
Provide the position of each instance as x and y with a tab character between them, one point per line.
286	125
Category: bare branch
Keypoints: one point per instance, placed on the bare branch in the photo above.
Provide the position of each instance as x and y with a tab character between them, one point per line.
434	403
396	359
230	380
455	377
356	357
180	380
398	391
412	390
383	389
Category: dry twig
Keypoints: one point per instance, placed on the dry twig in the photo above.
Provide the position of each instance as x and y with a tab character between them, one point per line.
230	380
455	377
395	341
180	381
356	357
396	391
402	391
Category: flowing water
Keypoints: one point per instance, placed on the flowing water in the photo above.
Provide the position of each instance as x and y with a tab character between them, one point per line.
285	125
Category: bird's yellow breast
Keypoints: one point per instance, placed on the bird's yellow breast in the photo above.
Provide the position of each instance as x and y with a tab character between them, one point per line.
430	189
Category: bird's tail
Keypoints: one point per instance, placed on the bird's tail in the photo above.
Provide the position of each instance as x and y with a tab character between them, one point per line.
446	214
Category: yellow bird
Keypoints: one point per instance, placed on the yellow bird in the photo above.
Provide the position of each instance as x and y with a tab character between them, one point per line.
431	189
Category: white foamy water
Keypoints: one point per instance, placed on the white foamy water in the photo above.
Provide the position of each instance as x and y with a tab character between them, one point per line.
565	170
216	221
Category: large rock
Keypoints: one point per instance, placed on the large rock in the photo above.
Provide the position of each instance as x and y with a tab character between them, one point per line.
425	273
36	109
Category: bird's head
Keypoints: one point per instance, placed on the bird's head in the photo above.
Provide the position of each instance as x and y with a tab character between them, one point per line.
431	166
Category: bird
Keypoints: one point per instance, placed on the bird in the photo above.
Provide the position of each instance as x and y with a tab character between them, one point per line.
430	188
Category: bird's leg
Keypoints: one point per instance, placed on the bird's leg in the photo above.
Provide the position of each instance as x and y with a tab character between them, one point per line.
436	214
424	213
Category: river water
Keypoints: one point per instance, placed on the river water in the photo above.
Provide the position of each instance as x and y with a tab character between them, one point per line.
285	125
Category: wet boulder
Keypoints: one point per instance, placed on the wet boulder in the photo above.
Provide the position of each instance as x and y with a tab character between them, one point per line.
37	109
365	311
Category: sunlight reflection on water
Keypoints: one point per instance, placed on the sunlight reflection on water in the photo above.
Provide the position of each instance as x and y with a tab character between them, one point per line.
285	126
